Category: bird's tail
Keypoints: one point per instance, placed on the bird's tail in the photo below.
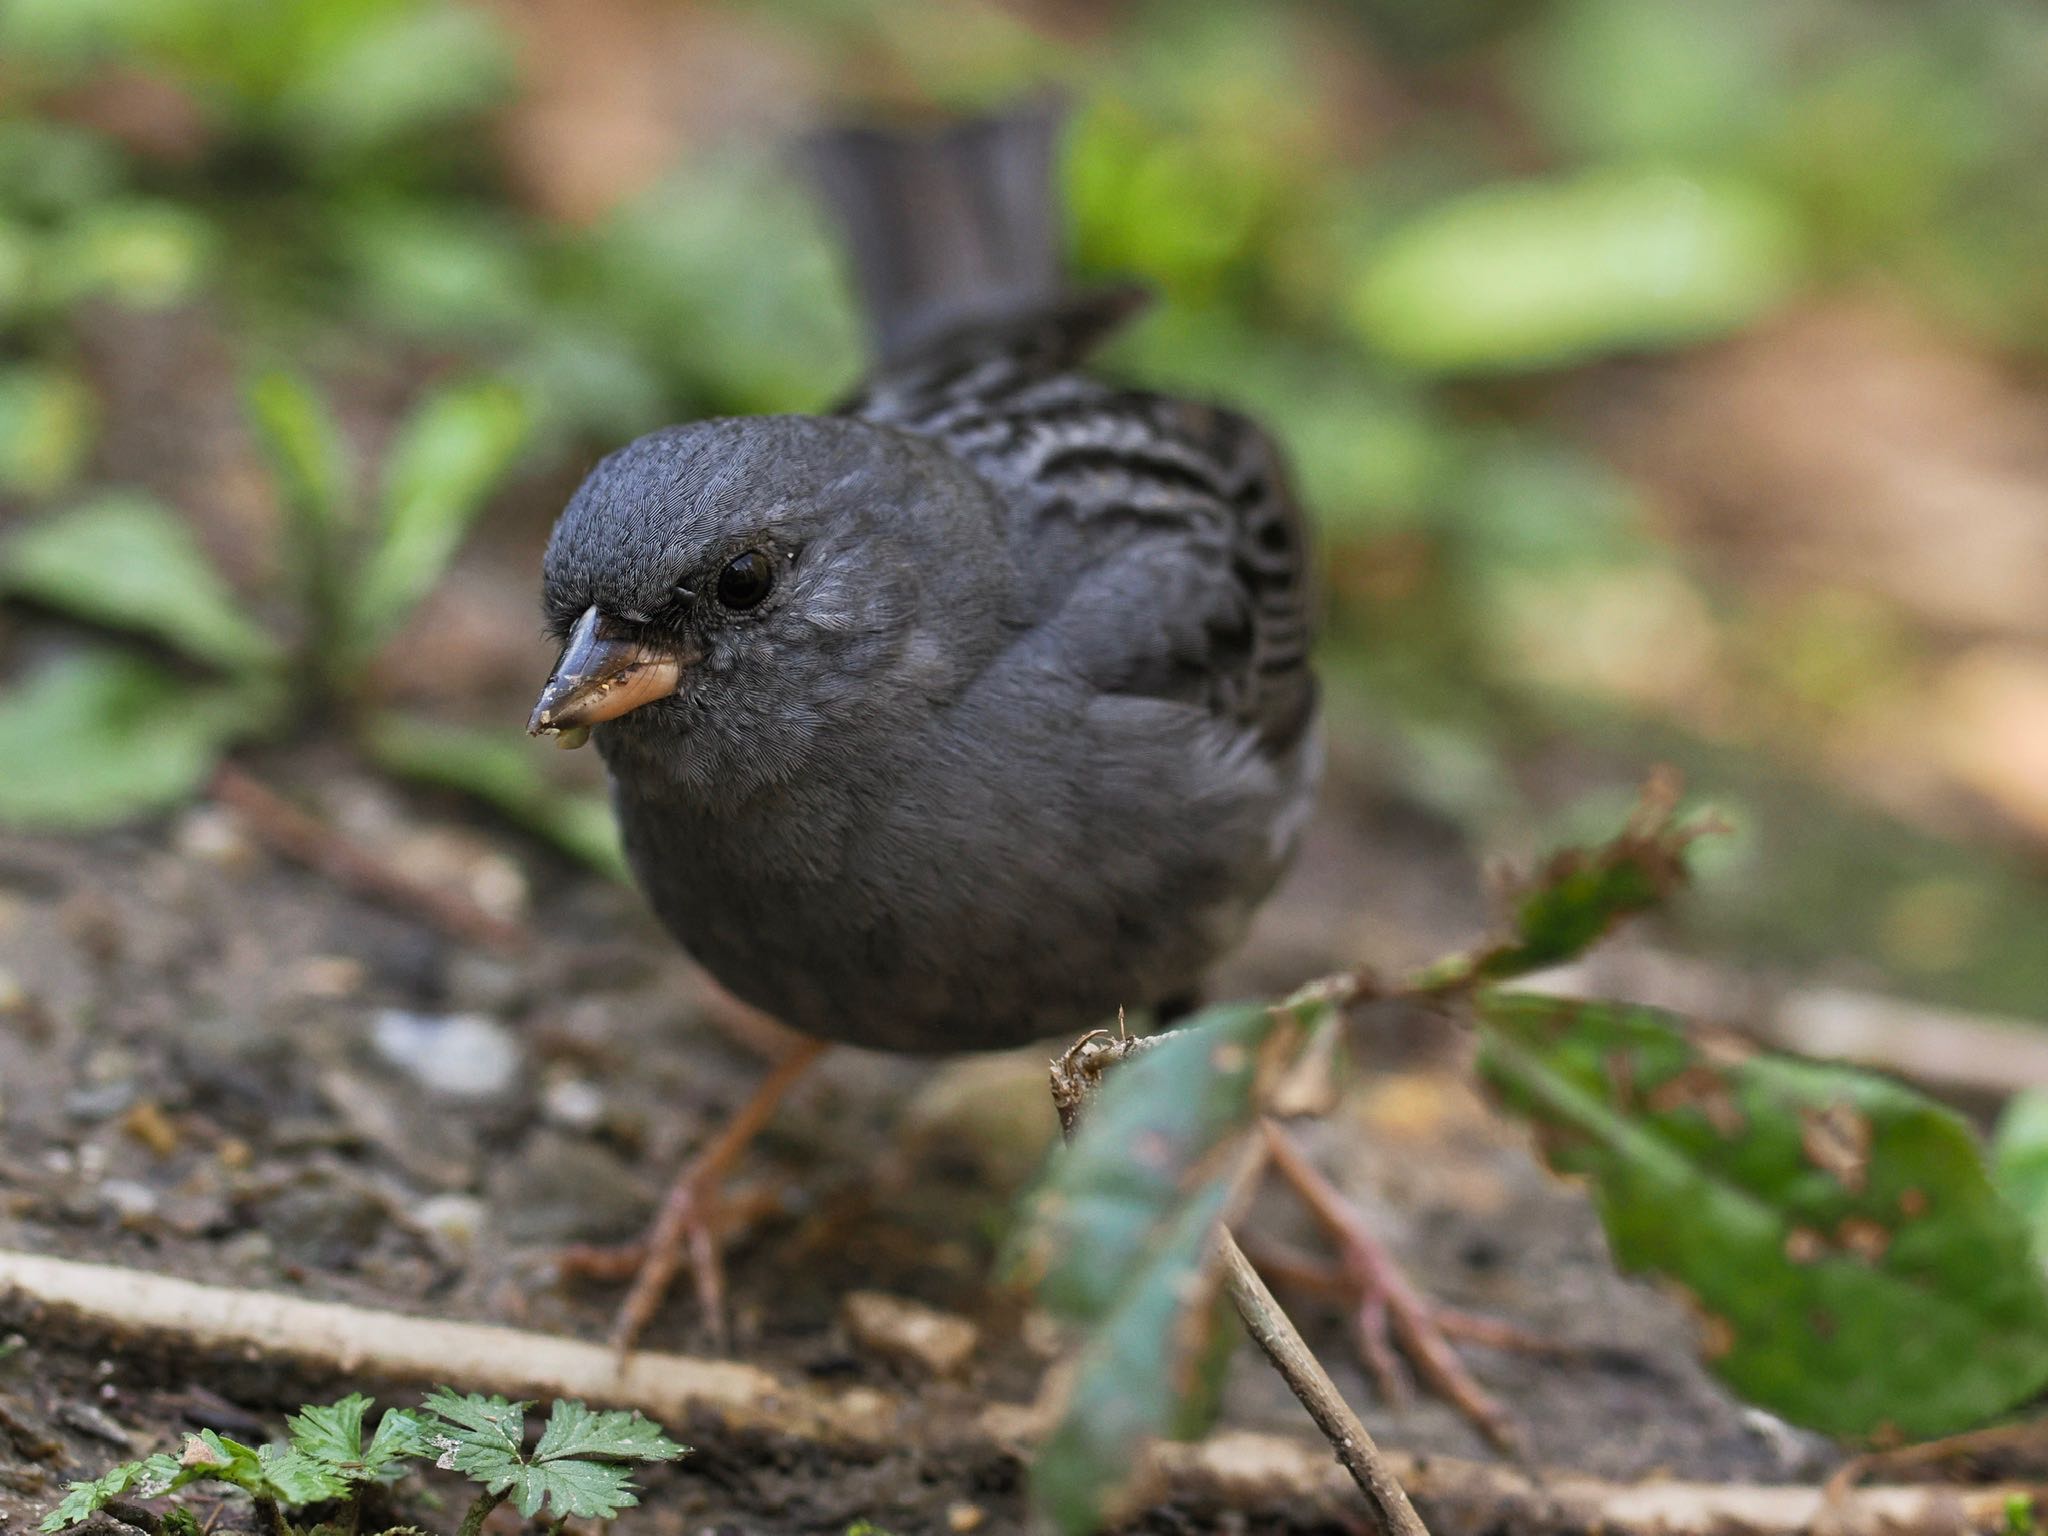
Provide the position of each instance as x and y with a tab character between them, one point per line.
947	227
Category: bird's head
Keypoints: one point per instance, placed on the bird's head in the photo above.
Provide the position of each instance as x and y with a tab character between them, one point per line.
731	593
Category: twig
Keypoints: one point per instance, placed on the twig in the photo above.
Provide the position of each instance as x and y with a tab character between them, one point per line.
1076	1077
194	1323
1275	1333
2024	1442
297	835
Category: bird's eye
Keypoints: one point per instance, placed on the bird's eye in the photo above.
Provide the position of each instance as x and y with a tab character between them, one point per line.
745	580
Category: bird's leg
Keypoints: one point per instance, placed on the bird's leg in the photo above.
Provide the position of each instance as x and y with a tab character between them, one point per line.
687	1223
1387	1308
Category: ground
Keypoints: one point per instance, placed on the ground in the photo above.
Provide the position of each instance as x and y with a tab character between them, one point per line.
222	1065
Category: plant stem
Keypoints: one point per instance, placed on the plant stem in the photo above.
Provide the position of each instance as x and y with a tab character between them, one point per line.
478	1512
272	1516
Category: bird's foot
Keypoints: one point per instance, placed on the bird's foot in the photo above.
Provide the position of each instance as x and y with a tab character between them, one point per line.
691	1222
696	1219
1390	1316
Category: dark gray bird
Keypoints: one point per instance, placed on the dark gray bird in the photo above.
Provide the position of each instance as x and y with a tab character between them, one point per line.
974	711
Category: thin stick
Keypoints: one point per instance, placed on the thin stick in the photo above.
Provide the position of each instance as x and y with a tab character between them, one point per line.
1275	1333
1076	1077
305	839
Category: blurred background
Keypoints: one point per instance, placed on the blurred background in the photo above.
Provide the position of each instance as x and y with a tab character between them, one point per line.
1664	376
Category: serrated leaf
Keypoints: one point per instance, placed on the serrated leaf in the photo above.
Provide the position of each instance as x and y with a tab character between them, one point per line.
399	1437
295	1479
332	1434
218	1456
504	770
574	1429
96	737
1857	1271
483	1439
590	1488
127	561
1160	1125
449	455
146	1479
333	1437
1137	1374
475	1427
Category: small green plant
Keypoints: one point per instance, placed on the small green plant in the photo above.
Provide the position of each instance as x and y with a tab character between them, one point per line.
581	1465
103	734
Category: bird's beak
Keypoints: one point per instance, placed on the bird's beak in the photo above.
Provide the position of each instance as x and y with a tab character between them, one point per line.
603	673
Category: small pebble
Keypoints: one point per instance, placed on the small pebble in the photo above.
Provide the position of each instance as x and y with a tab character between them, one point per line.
246	1251
459	1055
215	836
457	1219
938	1342
101	1101
573	1103
133	1202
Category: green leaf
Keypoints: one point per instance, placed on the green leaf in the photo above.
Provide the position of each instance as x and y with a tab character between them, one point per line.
474	1431
1540	273
215	1455
125	560
1162	1124
448	457
483	1438
333	1437
1857	1271
1579	894
332	1434
1136	1374
2020	1161
399	1437
576	1430
504	770
47	420
96	737
306	451
147	255
574	1488
295	1479
149	1478
396	72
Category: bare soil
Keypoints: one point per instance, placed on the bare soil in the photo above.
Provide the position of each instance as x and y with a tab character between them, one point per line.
219	1065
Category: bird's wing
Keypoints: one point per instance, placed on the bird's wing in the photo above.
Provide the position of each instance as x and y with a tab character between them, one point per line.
1159	538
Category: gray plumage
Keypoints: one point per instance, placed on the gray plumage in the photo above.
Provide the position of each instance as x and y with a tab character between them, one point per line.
1024	729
